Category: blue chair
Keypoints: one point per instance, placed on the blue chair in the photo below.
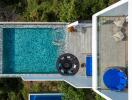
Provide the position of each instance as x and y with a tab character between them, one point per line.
89	65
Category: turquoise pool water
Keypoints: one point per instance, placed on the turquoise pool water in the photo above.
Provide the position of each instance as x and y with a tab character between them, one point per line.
45	97
32	50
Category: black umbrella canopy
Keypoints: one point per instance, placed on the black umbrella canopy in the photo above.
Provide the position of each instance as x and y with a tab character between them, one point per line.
67	64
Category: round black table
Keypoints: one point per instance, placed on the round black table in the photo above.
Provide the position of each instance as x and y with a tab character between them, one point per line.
67	64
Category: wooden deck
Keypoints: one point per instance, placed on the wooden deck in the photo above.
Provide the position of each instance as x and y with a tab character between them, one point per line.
111	52
80	44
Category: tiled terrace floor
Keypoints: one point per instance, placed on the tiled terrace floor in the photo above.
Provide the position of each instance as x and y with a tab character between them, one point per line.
111	53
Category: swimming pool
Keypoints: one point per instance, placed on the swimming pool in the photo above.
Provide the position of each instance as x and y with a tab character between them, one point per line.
32	50
45	97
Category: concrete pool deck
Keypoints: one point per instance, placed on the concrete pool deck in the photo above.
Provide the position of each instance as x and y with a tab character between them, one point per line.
80	44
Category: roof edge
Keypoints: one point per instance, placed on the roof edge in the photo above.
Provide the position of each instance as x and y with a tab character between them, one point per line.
110	7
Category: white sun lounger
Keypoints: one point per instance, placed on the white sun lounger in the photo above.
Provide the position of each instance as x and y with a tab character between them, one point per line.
74	24
119	22
119	36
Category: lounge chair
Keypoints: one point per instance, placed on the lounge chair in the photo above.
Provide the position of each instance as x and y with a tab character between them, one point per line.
119	21
89	65
119	36
72	26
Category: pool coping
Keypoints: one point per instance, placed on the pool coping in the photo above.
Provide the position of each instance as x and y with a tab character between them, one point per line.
41	23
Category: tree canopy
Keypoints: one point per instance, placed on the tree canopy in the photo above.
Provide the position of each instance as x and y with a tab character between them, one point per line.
53	10
71	93
11	84
10	88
